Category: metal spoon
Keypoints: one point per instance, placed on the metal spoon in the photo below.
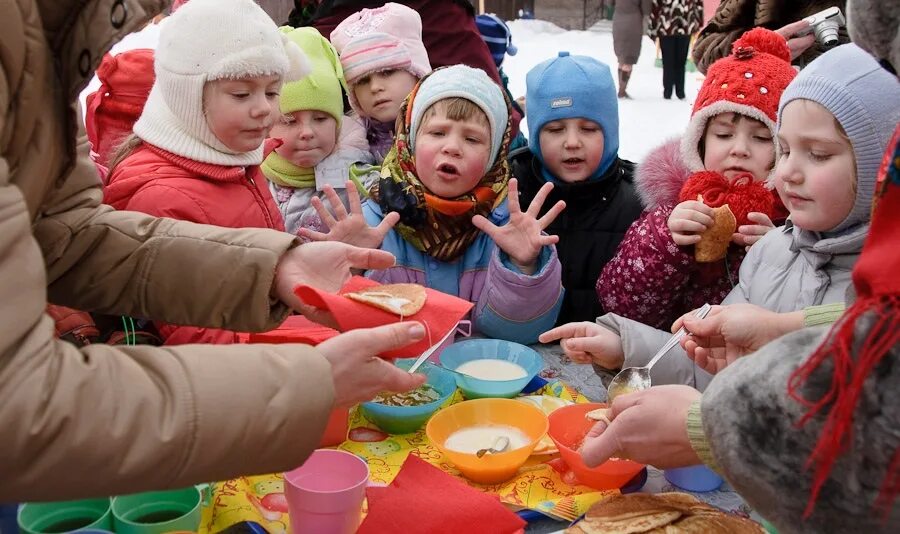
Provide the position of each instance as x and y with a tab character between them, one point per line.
633	379
500	445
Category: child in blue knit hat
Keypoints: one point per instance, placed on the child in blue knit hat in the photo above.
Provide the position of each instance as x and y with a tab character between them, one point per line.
573	127
446	208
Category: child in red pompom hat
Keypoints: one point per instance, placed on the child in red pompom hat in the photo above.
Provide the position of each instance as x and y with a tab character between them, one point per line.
726	155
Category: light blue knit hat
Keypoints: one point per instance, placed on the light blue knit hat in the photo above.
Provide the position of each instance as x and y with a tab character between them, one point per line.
865	100
570	87
463	82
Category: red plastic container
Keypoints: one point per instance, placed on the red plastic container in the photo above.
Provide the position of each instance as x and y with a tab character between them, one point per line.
336	430
568	427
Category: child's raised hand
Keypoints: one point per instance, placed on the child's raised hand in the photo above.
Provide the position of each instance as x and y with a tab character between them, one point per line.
688	220
350	228
748	234
522	238
587	342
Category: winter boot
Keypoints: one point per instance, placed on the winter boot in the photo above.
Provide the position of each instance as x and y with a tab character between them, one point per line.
624	76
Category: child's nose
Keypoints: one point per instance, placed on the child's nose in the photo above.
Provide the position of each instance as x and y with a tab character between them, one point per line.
572	140
261	107
740	147
786	171
451	145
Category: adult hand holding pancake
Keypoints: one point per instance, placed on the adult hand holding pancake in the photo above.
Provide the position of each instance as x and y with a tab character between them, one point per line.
325	266
648	427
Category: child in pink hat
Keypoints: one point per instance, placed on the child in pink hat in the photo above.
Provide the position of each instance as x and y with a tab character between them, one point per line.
383	57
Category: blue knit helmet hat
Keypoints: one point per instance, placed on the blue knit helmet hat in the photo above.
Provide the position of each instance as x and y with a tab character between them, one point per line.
571	87
863	97
496	36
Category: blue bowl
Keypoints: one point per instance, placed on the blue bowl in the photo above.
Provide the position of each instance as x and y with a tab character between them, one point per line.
694	478
497	349
406	419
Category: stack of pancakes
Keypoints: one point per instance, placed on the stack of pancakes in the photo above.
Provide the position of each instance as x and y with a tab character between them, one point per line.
664	513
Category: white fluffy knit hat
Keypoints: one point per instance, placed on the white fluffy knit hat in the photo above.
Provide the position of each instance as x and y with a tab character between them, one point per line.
208	40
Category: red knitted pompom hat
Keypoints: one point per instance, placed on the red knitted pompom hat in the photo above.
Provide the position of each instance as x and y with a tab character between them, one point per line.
749	81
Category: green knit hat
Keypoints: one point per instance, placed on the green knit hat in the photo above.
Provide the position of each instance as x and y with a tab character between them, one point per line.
321	89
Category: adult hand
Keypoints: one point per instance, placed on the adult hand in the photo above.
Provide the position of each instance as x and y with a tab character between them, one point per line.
522	237
325	266
358	373
731	332
748	234
588	342
648	426
688	220
798	45
350	228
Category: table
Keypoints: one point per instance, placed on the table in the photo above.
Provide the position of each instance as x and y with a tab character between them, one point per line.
582	378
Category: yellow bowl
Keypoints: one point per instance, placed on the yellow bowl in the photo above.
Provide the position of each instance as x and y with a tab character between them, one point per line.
491	468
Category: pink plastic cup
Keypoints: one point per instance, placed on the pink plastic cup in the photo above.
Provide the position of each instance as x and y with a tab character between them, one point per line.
326	493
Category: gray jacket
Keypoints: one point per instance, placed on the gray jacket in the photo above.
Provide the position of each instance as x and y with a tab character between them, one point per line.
787	270
749	420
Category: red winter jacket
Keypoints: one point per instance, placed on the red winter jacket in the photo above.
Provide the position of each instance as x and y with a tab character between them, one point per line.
159	183
651	279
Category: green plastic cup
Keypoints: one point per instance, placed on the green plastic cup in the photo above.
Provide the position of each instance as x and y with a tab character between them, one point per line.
66	516
157	512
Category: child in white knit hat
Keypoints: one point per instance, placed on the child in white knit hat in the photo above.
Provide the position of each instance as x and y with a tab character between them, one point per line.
196	149
383	57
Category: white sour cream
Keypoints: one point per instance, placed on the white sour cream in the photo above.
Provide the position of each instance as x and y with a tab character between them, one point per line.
474	438
490	369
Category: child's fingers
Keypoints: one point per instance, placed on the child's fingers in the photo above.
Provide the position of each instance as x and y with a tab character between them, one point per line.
312	235
560	332
513	197
683	240
551	214
753	229
534	209
387	223
578	357
547	240
353	196
761	219
323	213
694	205
339	210
484	225
683	226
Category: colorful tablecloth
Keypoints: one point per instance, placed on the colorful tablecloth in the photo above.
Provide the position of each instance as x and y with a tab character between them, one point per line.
538	485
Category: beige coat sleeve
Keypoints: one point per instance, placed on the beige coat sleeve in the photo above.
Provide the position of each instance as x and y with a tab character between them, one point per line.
99	259
108	420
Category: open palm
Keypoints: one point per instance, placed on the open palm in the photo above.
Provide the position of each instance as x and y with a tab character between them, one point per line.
350	228
522	237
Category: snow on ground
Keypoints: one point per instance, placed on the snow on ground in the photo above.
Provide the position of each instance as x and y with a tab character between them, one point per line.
645	121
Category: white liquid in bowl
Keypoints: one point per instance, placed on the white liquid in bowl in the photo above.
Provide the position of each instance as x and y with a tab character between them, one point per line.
490	369
474	438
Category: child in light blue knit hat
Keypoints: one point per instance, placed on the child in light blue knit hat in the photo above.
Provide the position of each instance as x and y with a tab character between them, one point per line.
573	130
448	211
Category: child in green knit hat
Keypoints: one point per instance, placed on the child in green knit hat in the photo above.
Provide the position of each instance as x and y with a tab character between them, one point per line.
319	145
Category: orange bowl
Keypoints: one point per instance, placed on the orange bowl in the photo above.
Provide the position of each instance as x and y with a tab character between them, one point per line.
568	427
491	468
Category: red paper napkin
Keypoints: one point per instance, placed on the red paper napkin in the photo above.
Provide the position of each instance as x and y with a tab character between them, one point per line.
422	498
440	314
295	329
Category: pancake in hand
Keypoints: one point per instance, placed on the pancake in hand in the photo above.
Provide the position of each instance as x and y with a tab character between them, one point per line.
714	241
400	299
